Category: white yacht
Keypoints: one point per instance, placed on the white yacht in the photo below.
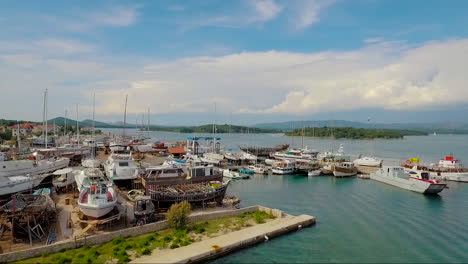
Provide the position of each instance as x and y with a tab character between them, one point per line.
32	166
231	173
368	162
97	196
417	182
63	177
344	169
258	168
284	167
121	167
314	173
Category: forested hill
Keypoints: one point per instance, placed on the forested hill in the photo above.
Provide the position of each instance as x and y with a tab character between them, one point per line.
354	133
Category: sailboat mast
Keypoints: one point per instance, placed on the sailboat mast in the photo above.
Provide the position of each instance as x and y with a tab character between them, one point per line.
125	115
18	138
302	140
94	125
45	115
148	127
65	128
214	128
77	127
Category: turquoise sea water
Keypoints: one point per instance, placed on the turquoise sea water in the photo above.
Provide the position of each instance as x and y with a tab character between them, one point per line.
358	220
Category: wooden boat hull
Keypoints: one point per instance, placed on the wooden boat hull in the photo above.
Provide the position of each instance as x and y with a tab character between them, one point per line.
164	199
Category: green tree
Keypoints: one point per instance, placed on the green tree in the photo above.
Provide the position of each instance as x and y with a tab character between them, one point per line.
178	213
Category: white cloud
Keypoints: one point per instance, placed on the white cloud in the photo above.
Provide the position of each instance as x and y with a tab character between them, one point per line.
266	10
376	76
381	75
373	40
116	16
257	12
308	12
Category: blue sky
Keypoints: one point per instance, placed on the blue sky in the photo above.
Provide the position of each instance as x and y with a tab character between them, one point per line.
255	59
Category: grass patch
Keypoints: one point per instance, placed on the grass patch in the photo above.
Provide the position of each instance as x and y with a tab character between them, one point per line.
120	249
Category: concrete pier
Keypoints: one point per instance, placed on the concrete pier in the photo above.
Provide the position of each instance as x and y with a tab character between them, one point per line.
225	244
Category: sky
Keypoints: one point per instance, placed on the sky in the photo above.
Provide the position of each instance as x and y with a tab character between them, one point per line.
244	61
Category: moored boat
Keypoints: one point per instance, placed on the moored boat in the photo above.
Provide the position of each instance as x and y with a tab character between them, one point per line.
368	162
344	169
417	182
448	169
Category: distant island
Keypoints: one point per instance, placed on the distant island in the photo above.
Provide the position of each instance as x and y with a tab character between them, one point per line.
354	133
220	129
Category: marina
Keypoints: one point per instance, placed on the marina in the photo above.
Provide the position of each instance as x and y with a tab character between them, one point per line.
193	178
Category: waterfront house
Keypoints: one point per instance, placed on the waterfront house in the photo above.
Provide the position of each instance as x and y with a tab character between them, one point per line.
25	129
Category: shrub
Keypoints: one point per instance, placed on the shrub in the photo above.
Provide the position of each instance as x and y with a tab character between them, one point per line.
177	215
146	251
117	240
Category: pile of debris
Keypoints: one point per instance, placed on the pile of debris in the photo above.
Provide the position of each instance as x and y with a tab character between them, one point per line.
27	216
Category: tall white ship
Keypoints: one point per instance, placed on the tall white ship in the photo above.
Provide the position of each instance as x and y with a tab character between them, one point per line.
416	182
121	166
97	197
32	166
448	169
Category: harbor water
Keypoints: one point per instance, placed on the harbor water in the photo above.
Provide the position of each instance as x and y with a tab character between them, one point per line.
358	220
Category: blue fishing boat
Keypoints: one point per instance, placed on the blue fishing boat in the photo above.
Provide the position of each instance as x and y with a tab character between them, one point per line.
246	171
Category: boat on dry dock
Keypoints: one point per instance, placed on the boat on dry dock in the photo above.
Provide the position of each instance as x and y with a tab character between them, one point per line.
121	166
416	182
19	183
197	194
63	178
33	166
97	196
171	175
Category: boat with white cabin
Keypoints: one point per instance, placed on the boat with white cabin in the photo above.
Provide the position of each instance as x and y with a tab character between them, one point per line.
121	166
283	167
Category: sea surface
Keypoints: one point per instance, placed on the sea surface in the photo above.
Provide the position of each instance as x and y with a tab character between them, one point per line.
357	220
